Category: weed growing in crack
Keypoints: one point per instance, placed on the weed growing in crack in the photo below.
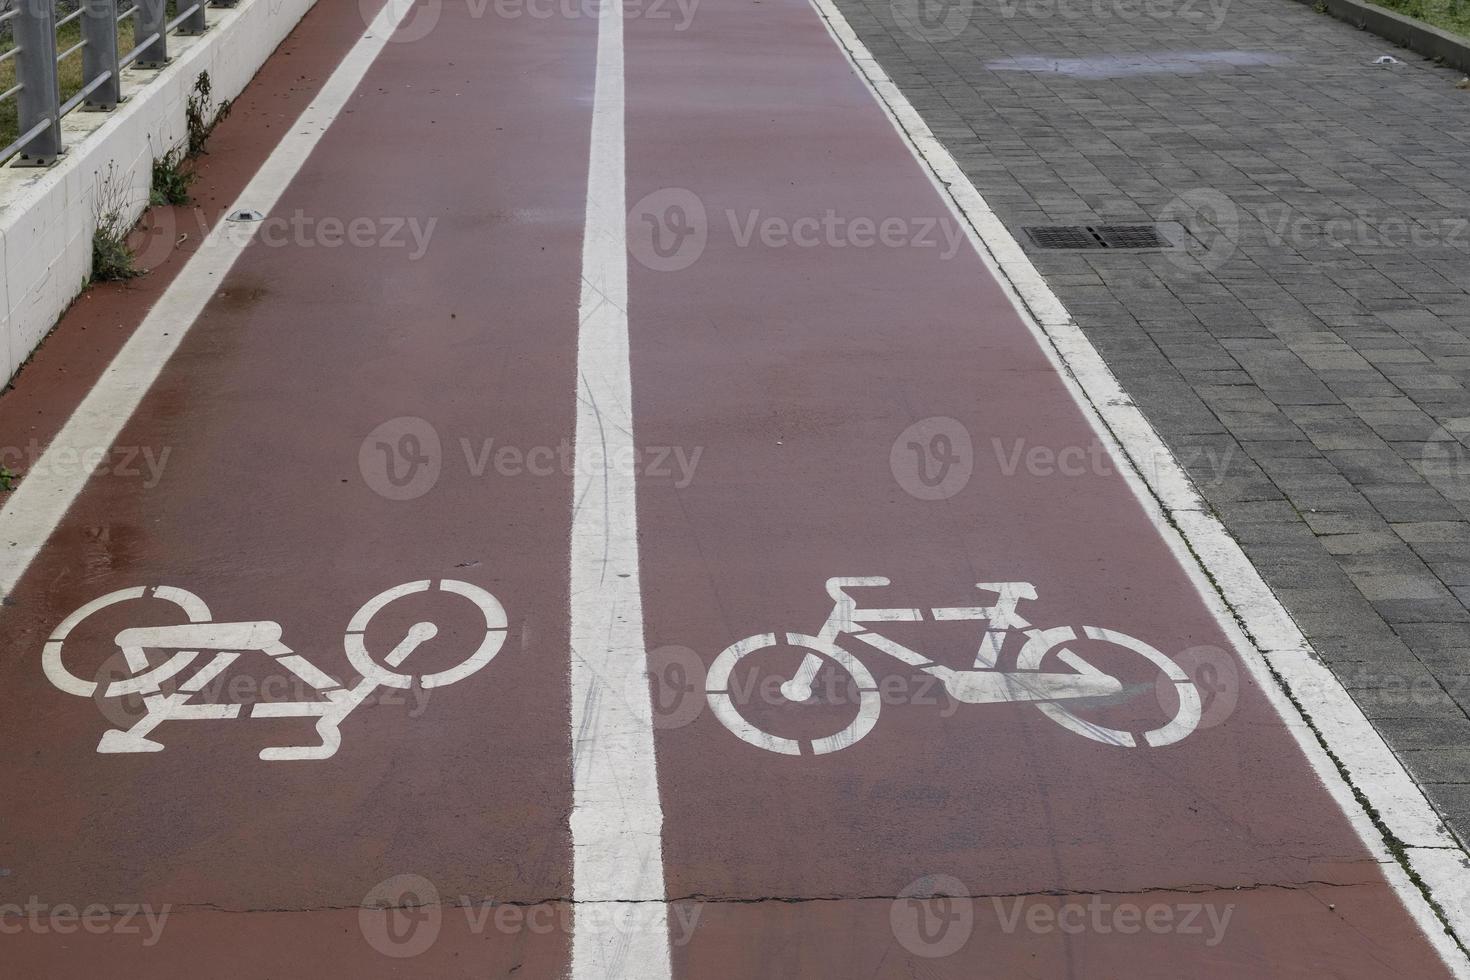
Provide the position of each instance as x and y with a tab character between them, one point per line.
200	114
112	259
171	178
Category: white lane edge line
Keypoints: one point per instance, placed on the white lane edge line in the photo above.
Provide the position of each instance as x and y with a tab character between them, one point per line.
620	915
1275	646
39	504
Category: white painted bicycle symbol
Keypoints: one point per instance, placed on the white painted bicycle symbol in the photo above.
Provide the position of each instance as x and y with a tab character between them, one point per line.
1055	693
229	641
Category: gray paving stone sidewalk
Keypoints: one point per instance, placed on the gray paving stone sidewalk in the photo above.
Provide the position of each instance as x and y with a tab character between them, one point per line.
1307	355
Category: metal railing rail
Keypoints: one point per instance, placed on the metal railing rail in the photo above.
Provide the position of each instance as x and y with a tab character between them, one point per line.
34	25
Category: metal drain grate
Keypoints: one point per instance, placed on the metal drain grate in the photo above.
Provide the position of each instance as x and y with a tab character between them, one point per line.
1100	236
1131	236
1064	236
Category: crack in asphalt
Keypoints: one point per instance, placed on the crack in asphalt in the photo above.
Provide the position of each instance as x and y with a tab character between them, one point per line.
700	897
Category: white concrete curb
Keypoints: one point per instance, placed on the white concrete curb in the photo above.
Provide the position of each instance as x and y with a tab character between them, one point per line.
47	216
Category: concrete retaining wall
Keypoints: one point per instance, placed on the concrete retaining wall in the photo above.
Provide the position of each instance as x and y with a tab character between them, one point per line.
47	216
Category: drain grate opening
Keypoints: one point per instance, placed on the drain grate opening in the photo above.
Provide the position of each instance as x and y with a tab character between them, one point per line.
1064	236
1131	236
1100	236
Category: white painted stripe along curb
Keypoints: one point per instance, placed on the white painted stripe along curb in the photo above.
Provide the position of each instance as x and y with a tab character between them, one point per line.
1239	596
620	921
40	502
35	509
47	215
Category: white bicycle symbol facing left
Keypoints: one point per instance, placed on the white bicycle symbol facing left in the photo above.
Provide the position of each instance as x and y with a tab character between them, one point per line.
228	641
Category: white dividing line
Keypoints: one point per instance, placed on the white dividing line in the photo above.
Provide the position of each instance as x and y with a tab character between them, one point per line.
1239	598
35	509
620	921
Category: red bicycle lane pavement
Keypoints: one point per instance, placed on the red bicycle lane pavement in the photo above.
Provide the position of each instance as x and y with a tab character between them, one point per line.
334	426
809	323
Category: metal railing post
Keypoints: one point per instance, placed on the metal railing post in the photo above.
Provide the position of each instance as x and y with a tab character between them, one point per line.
150	33
39	100
99	30
194	24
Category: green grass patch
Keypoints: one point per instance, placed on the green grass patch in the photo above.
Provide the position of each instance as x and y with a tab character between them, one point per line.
69	72
171	178
111	258
1448	15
